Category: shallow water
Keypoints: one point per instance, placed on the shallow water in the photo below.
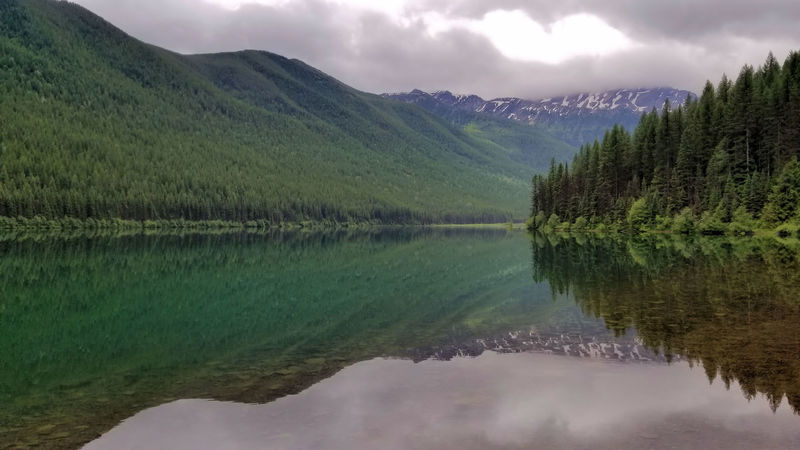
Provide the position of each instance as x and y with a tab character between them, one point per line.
495	339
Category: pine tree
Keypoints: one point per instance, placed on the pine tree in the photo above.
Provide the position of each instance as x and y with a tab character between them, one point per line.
741	130
717	154
784	200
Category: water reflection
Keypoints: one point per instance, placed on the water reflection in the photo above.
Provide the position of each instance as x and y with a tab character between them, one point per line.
494	401
96	328
732	306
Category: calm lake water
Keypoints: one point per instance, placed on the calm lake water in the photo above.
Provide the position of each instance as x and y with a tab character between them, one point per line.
404	338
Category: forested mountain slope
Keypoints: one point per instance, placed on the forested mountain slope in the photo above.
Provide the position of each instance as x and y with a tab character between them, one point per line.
95	124
727	157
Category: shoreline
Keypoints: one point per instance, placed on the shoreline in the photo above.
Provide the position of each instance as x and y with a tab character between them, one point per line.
68	224
781	231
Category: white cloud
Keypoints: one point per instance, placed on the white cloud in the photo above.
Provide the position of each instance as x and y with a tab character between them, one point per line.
512	32
519	37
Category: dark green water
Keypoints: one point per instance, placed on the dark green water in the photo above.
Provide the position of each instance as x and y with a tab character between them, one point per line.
96	329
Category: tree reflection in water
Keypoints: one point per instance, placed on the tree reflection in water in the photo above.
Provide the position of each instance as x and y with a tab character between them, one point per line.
731	305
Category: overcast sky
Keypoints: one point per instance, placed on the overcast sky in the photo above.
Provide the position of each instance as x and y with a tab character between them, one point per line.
533	48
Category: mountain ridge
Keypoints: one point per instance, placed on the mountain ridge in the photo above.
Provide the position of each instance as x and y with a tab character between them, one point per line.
576	118
124	129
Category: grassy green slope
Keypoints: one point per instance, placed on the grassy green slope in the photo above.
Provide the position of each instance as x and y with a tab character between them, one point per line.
524	144
94	123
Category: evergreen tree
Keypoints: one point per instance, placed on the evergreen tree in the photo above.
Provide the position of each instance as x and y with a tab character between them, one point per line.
784	200
725	155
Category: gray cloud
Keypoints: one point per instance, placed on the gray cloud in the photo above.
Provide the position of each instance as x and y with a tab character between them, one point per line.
684	20
679	43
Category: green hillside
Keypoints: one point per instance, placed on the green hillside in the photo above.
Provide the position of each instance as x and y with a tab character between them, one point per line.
95	124
525	144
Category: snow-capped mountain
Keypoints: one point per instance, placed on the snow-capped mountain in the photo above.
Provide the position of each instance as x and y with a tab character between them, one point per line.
576	118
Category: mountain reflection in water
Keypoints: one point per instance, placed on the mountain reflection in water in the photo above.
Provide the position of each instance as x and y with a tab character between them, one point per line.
493	401
95	329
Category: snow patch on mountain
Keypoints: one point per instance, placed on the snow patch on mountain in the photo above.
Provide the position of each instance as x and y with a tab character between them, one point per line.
575	119
532	111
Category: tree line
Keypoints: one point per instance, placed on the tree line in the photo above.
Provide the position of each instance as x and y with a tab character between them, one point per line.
726	160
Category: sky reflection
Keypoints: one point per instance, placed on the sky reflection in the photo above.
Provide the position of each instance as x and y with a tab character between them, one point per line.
493	401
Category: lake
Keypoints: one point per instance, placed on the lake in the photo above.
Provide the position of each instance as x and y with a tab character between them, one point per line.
398	338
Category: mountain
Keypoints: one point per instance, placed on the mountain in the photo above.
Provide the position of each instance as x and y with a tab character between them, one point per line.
98	125
575	119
